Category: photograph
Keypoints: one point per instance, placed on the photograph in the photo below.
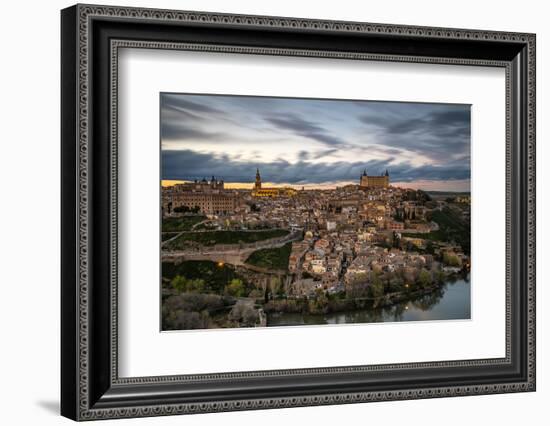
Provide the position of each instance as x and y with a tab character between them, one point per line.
279	211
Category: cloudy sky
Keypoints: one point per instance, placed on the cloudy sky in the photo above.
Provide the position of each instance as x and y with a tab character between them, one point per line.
314	143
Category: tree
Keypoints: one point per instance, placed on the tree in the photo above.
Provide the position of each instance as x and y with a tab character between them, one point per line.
397	283
179	283
189	310
357	285
181	209
196	286
277	286
376	286
439	276
320	303
430	249
235	288
184	285
255	294
244	313
451	259
424	278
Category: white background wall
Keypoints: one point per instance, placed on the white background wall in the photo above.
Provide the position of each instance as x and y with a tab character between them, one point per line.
29	212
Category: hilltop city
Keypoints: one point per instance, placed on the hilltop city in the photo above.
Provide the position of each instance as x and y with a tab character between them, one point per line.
267	255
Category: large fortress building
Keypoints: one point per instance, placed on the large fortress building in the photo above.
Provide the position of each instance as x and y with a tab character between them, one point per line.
382	181
208	197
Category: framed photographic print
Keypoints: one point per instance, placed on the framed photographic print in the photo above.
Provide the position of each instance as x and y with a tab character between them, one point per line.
323	243
263	212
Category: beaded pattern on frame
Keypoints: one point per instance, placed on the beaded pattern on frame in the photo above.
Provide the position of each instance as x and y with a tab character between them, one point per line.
85	13
115	45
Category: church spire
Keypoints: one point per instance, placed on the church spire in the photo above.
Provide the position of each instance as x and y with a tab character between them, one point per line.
387	174
258	183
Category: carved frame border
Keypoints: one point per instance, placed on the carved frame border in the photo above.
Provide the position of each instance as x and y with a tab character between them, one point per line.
85	14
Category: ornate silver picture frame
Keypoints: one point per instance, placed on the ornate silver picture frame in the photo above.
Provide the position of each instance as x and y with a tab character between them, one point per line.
91	38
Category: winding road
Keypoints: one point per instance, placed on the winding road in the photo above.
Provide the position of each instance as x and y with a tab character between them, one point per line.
231	255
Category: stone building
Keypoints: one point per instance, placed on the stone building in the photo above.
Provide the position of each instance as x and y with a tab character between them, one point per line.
209	197
382	181
272	192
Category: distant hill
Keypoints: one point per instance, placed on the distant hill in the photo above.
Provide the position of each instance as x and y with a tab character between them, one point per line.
439	195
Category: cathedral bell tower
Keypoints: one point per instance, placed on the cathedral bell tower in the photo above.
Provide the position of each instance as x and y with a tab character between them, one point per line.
258	183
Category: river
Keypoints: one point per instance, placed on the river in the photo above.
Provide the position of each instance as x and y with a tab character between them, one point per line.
451	301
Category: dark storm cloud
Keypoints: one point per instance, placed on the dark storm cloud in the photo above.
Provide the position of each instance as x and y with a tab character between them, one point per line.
189	165
312	140
454	117
297	124
437	124
181	119
437	131
179	131
304	128
391	151
303	155
179	103
324	153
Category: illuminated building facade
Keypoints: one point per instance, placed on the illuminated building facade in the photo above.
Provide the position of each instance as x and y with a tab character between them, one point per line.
382	181
272	192
209	197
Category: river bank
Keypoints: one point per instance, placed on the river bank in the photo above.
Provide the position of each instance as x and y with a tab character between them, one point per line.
451	300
